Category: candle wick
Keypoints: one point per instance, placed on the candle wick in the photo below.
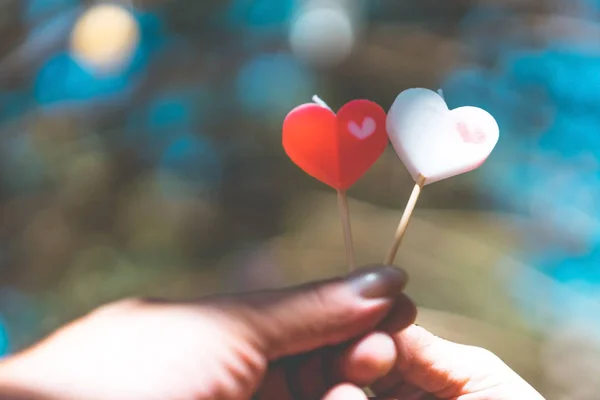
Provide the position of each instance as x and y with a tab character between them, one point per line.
320	102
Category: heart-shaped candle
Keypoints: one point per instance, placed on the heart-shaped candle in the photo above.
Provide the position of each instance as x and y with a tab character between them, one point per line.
336	149
436	143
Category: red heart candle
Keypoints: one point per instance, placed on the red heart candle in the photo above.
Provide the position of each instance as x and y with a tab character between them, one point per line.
336	149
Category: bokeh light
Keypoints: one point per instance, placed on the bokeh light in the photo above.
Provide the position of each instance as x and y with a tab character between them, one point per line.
153	126
64	83
272	84
35	10
322	34
171	112
4	338
268	15
105	38
190	162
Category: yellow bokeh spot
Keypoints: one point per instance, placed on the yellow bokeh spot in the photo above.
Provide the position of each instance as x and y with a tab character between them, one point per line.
105	37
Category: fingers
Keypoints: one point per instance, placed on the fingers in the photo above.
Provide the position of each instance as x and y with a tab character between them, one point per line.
301	319
428	367
401	316
375	355
431	364
345	391
368	360
424	361
361	363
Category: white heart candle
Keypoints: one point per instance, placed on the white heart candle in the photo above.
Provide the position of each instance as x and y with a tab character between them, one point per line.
436	143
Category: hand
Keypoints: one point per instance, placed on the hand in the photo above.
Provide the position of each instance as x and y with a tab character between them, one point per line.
320	341
428	367
301	340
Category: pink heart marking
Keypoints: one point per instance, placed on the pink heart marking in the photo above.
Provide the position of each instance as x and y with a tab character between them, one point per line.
362	132
468	135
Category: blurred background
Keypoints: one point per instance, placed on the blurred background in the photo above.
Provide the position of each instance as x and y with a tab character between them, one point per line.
140	154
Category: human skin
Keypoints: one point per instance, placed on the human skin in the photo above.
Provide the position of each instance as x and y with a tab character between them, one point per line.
323	340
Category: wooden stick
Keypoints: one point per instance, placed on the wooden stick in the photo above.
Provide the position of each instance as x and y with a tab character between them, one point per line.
410	206
345	217
344	211
320	102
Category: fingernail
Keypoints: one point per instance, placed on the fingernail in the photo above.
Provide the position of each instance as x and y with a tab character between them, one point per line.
377	282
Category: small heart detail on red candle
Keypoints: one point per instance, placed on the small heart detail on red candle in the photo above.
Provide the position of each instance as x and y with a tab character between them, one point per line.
365	130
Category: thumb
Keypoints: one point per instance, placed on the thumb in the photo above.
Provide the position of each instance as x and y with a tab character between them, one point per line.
304	318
